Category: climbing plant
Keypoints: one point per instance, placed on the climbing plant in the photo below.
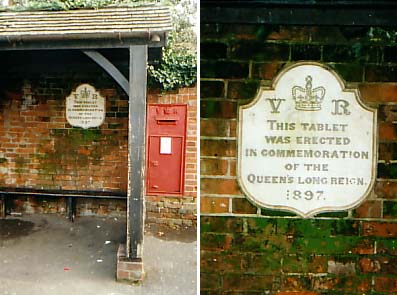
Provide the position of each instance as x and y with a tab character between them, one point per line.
179	64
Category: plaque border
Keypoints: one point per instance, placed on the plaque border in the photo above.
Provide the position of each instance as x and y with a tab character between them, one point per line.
344	88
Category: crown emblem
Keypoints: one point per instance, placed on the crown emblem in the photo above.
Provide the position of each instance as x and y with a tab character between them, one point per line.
308	99
85	93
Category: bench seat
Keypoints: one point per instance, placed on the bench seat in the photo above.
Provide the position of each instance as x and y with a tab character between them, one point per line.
70	195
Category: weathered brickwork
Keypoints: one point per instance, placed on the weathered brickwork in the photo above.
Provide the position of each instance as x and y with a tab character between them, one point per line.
39	149
251	250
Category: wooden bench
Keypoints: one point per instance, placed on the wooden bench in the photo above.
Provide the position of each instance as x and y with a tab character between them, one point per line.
70	196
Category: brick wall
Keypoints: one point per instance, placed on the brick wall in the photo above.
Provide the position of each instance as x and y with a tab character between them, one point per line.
251	250
39	149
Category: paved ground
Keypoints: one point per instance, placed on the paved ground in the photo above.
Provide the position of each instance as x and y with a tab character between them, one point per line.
46	254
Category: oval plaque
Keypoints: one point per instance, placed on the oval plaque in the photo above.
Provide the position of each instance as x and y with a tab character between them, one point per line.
307	144
85	107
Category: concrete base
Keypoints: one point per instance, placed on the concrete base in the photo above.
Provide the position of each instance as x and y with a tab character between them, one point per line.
130	271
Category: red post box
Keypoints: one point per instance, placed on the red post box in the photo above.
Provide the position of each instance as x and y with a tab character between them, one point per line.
166	139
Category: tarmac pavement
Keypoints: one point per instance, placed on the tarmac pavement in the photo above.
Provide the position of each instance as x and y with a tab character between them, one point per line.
48	255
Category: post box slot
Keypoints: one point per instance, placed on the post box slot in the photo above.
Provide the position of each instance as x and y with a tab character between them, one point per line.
167	121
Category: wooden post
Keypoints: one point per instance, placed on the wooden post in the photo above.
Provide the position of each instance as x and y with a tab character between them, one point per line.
136	151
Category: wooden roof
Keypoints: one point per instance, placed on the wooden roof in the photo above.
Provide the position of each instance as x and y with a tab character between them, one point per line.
117	25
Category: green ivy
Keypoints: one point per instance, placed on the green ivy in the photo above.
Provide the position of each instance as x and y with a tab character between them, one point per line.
178	68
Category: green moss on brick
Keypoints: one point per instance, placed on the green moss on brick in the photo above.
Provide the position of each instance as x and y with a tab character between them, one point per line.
390	54
262	225
250	243
349	72
387	246
242	90
305	52
210	89
243	206
20	163
218	109
224	69
260	51
389	209
213	50
268	212
381	73
265	263
221	224
387	170
311	228
210	281
325	245
295	263
341	214
215	241
344	53
3	160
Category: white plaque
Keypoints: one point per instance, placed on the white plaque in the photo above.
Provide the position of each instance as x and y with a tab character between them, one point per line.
85	107
165	145
307	144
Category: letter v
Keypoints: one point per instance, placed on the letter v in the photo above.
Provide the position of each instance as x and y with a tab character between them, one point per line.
275	104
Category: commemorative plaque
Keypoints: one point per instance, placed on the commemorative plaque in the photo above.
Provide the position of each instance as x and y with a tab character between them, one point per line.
307	144
85	107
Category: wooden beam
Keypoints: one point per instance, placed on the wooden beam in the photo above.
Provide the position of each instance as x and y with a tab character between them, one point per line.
109	68
59	43
136	151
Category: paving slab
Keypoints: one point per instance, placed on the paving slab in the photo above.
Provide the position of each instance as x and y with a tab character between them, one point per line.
47	254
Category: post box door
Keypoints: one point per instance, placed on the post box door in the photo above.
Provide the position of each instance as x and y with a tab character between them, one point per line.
165	164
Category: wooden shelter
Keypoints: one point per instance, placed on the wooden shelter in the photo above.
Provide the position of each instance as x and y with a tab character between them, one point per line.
88	30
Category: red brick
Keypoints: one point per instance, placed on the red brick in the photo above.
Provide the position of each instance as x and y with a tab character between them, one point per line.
343	284
243	206
292	33
386	189
221	147
247	282
387	131
368	265
369	209
219	186
364	247
378	92
267	71
387	113
214	205
379	229
213	167
214	127
386	284
232	167
122	275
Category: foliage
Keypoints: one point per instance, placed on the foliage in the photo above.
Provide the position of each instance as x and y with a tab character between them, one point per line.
177	69
179	65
